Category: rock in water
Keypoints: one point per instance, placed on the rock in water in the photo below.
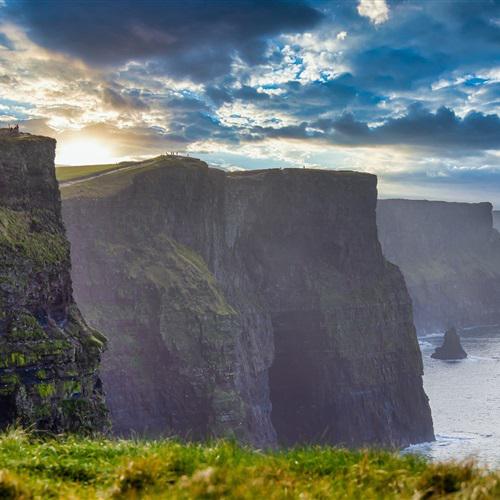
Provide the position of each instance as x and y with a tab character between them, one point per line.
49	357
255	304
451	348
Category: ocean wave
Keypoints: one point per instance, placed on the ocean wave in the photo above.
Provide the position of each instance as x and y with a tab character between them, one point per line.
431	335
426	345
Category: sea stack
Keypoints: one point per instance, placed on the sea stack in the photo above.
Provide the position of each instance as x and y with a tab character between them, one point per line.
451	348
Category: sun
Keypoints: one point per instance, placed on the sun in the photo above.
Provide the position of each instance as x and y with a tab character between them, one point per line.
83	152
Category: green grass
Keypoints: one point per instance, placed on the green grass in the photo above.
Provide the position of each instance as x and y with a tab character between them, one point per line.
44	246
64	174
122	178
72	467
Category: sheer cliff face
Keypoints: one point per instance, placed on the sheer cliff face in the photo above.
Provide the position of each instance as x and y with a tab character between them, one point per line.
449	254
48	356
256	304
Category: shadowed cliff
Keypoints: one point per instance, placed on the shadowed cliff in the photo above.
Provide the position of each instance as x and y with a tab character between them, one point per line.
49	357
256	304
449	254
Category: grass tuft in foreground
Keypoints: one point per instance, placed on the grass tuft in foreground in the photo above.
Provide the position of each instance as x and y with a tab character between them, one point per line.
72	467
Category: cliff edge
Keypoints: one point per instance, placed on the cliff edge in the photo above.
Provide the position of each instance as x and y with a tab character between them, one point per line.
49	357
449	254
254	304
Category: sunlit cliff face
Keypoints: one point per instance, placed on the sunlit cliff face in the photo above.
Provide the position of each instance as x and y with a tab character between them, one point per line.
407	90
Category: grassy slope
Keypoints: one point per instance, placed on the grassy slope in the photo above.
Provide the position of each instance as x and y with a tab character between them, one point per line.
74	467
111	184
73	173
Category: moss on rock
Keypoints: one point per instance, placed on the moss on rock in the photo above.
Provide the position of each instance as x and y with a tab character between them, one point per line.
47	352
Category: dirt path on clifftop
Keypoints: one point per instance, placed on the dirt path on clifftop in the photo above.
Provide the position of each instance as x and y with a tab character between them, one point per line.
92	177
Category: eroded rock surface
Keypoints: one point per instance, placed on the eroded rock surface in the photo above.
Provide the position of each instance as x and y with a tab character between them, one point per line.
451	348
449	254
49	357
257	304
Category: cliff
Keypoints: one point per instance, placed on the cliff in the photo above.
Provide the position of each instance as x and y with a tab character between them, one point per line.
496	220
449	254
48	356
256	304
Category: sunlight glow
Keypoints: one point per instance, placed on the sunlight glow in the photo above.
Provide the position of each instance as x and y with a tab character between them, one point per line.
83	152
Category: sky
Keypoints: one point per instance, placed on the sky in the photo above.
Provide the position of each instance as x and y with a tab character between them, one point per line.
407	90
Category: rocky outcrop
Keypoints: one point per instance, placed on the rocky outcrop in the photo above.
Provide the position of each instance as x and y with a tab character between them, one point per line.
451	349
449	254
257	304
49	357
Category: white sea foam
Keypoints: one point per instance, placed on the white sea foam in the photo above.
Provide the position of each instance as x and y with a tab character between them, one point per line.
465	400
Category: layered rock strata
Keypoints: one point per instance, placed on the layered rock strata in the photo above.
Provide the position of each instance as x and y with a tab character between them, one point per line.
49	357
449	254
253	304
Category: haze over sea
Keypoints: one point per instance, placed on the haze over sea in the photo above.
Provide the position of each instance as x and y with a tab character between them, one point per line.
465	398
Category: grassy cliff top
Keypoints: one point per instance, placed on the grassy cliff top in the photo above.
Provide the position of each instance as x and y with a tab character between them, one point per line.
108	181
485	205
64	174
96	181
6	137
88	468
303	171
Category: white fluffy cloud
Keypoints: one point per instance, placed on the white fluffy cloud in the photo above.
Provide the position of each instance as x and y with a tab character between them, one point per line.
376	10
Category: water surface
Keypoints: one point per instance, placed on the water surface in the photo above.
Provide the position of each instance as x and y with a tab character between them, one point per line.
465	398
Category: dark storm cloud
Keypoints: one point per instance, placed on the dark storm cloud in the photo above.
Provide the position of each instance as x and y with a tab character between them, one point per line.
220	93
192	126
336	94
191	37
389	68
216	76
193	120
122	101
421	41
440	130
478	20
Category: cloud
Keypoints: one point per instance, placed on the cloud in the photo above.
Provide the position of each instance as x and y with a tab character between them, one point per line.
376	10
441	130
392	87
122	101
189	37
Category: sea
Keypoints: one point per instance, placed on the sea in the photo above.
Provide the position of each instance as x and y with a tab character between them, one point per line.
465	398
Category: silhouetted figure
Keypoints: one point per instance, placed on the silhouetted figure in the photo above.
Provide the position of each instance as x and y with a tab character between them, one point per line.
451	348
